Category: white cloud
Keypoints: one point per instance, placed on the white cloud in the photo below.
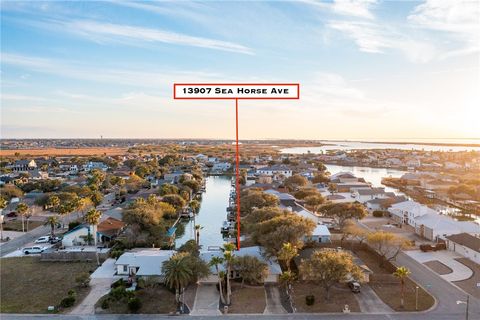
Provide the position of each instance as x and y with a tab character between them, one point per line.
134	35
458	20
353	8
374	38
140	78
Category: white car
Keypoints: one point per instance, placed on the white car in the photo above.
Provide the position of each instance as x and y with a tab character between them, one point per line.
33	250
44	239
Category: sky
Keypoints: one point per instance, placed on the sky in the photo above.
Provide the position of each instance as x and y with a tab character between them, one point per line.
367	69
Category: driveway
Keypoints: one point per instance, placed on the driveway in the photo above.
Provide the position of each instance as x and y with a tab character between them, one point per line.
460	271
369	302
206	301
100	283
273	301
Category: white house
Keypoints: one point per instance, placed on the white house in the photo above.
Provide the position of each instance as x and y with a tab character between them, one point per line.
221	166
274	270
320	234
77	236
465	244
145	262
275	170
433	226
95	165
405	212
363	195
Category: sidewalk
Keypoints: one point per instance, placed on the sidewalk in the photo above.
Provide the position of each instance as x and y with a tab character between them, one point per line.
460	271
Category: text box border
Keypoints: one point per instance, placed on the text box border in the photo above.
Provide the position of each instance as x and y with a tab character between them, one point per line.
236	84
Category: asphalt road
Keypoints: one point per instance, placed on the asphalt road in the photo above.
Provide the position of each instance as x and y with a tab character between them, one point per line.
22	240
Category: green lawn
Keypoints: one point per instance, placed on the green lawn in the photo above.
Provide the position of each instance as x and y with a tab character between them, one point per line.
16	225
29	285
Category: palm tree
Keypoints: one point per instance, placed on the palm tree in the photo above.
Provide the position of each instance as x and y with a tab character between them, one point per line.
177	273
53	202
228	257
93	218
3	205
216	261
52	221
197	233
22	209
82	204
287	253
401	273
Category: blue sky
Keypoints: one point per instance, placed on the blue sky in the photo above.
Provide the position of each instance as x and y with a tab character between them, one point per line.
368	69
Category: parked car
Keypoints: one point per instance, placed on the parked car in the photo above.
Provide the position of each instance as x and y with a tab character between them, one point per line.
354	286
32	250
11	214
54	240
44	239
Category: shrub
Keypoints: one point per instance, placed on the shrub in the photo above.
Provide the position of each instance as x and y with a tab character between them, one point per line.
118	293
115	254
310	300
117	283
72	293
68	301
105	304
83	279
134	304
377	213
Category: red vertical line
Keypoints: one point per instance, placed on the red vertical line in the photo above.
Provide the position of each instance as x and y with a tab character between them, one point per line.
237	155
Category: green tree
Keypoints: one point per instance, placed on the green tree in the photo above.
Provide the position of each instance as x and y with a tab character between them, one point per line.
273	233
332	187
53	202
22	209
314	202
228	257
327	268
3	203
177	273
217	261
287	253
97	198
254	198
295	181
320	178
401	273
175	200
251	269
93	219
52	221
388	245
342	212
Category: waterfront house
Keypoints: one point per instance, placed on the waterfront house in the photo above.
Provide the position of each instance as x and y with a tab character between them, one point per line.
24	165
144	263
274	270
363	195
383	204
465	244
405	212
221	166
434	226
275	171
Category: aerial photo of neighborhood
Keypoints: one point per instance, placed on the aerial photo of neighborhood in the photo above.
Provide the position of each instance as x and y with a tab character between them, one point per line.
240	159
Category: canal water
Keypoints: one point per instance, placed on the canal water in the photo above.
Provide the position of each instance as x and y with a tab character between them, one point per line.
211	215
373	175
353	145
